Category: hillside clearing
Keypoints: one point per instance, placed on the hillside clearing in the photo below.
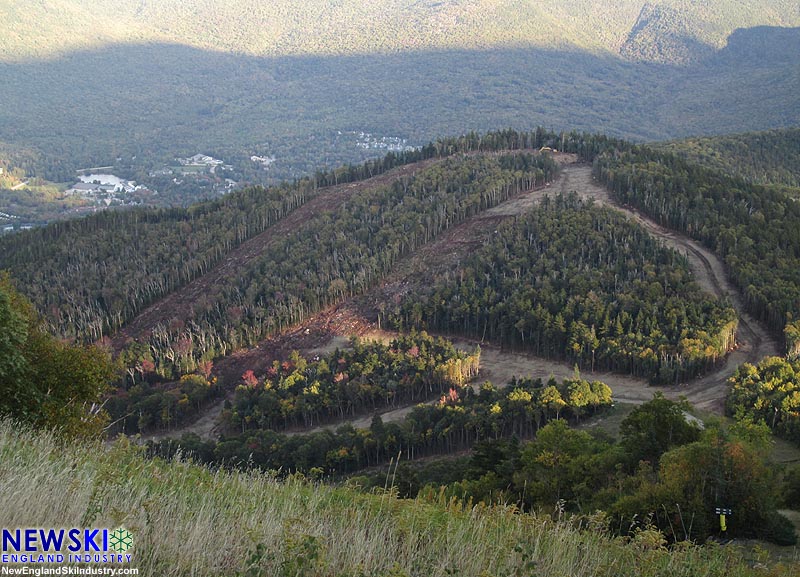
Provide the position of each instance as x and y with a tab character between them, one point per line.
357	316
178	305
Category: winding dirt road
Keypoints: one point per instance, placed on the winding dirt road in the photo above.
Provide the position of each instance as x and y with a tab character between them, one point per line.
329	329
706	392
754	340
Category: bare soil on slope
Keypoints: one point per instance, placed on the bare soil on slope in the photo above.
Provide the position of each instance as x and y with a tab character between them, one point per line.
358	316
179	304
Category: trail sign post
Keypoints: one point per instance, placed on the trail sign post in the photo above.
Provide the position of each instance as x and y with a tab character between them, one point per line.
723	513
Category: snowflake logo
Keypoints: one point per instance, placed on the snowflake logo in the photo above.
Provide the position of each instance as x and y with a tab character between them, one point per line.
121	540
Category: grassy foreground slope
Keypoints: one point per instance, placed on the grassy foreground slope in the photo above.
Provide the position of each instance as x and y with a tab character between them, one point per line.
189	520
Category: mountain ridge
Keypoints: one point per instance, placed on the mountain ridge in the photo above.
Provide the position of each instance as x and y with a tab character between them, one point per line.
159	80
351	27
180	100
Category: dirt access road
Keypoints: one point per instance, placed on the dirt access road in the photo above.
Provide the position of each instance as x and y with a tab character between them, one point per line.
754	340
707	392
331	328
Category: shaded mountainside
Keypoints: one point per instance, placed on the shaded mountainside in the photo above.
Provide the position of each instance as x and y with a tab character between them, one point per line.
181	100
158	80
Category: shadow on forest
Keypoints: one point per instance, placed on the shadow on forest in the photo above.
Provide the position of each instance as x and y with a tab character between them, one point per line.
166	100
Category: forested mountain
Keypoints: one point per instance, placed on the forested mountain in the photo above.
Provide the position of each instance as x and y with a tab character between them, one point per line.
110	267
350	27
155	251
113	265
753	228
283	325
770	157
160	80
553	274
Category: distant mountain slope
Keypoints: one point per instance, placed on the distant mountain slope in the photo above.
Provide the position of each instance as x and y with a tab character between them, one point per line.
665	34
87	83
770	157
282	27
161	101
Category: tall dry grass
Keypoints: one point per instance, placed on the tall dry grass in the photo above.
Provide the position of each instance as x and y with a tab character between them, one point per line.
189	520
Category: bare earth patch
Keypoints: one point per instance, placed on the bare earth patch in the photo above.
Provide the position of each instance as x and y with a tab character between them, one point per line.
179	304
357	316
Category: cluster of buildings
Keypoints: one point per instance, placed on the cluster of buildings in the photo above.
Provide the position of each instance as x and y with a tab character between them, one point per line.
200	160
385	143
264	161
11	222
197	168
104	189
8	220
